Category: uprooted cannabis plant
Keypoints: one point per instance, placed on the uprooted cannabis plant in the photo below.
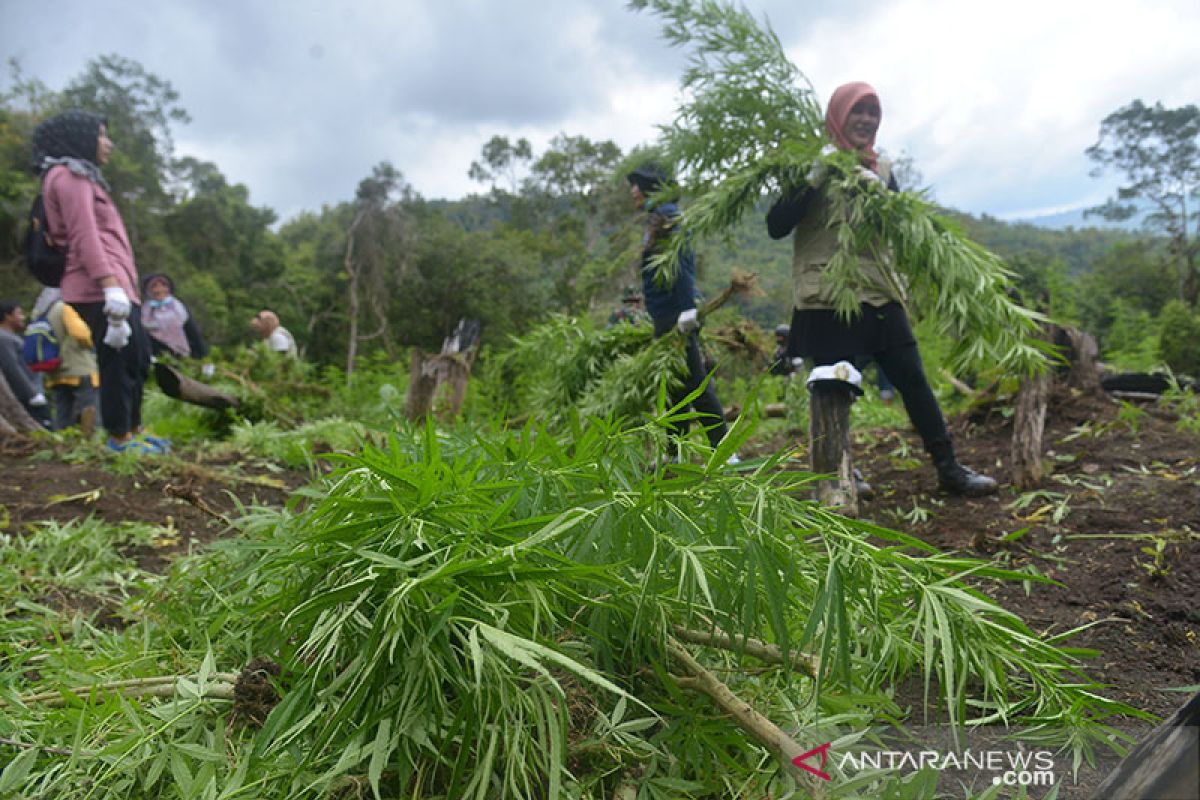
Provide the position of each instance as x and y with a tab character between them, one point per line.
516	616
750	127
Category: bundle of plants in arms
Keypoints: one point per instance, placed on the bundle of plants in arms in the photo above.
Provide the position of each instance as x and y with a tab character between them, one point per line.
566	365
749	127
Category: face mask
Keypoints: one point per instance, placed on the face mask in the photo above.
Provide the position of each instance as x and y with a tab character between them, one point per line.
166	301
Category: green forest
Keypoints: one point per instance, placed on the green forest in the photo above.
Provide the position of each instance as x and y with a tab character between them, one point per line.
526	585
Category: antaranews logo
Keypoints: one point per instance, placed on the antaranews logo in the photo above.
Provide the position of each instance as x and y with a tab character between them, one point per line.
823	752
1009	767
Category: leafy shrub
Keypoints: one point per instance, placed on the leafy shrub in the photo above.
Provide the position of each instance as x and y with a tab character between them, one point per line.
1179	338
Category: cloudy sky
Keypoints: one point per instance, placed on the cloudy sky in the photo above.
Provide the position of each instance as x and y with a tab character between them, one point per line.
297	99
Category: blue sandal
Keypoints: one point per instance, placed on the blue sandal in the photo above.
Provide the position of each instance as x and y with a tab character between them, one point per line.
162	444
135	446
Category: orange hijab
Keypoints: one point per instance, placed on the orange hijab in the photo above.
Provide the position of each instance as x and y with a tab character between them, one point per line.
845	97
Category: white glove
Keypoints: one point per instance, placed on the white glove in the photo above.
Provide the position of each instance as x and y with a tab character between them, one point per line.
208	370
116	303
118	333
688	321
38	399
819	169
870	175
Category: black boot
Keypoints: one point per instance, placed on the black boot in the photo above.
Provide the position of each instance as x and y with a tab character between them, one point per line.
954	478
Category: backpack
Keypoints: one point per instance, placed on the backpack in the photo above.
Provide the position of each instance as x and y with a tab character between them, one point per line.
44	260
42	352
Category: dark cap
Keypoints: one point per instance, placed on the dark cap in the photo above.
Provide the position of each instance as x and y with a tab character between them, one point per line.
648	177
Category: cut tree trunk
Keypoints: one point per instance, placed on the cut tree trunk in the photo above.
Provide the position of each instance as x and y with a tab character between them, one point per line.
1080	371
1029	423
829	436
422	384
439	383
1082	355
13	416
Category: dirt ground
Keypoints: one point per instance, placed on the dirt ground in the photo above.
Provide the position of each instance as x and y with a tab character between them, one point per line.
189	496
1117	524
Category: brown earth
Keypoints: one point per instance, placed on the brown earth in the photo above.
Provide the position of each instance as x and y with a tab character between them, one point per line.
1116	524
191	497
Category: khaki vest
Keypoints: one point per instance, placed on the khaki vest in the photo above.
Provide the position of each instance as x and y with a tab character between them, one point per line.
814	245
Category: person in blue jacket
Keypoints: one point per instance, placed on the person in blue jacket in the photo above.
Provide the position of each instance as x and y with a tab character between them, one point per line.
673	305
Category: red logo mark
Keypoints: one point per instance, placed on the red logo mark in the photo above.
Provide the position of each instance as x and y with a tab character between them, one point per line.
823	750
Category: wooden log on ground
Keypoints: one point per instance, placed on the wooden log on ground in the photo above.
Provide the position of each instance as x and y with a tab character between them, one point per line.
1164	766
829	437
176	385
769	411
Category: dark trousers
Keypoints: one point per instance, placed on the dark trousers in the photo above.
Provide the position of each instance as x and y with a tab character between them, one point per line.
70	401
903	368
123	372
706	404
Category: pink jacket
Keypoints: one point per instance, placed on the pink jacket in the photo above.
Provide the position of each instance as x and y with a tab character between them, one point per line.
82	216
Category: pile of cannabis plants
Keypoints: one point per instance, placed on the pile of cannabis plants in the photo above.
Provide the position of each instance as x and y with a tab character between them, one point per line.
526	616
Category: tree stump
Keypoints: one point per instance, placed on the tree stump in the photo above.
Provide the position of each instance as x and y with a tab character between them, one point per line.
422	383
829	437
1080	370
1082	355
1029	423
453	375
13	416
441	380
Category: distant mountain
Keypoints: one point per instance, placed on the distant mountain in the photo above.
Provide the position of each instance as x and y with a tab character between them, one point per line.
1077	219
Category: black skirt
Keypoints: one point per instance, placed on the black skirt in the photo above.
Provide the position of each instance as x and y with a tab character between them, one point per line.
821	335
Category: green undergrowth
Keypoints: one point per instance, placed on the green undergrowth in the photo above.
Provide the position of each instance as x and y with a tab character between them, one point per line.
459	614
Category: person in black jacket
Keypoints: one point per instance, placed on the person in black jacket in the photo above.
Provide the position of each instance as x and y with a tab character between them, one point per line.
673	305
881	329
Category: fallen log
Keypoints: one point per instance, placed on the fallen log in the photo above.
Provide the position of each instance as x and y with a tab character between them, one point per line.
176	385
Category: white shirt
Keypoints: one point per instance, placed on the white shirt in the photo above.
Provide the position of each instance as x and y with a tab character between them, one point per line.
281	341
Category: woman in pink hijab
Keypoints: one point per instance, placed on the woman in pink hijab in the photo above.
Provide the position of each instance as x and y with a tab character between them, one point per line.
881	330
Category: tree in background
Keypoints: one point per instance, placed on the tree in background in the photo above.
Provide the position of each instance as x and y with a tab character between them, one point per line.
567	203
375	252
502	159
1158	151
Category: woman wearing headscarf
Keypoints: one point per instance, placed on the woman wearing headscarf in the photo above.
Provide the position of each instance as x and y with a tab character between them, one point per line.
100	279
881	329
169	324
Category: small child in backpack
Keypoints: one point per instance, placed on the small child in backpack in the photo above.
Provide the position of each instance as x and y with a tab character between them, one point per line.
74	380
